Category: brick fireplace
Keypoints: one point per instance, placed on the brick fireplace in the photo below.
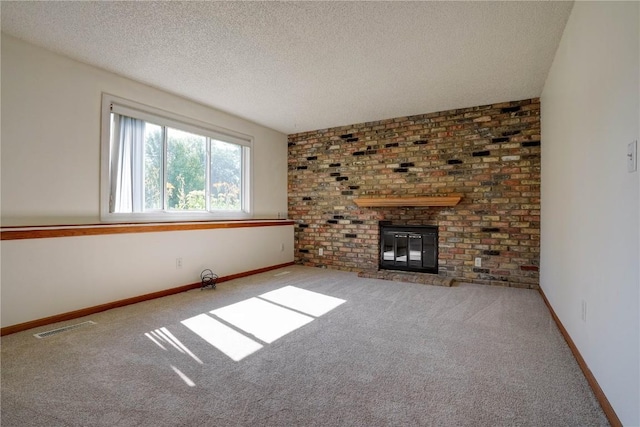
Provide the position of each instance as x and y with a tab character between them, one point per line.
489	155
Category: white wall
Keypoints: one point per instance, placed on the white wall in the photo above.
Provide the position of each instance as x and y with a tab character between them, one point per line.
51	137
46	277
590	203
50	175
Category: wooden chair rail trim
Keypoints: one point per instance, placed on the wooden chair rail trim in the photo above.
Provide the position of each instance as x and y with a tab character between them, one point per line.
608	410
121	303
44	232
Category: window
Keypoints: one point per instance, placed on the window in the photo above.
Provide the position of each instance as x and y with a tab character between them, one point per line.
159	166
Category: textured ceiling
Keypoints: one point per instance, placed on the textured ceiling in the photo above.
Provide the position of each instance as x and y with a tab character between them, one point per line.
297	66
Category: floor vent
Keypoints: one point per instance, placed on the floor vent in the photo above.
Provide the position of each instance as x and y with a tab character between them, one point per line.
63	329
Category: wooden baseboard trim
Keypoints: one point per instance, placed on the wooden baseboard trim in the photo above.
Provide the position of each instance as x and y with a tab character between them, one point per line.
108	306
593	383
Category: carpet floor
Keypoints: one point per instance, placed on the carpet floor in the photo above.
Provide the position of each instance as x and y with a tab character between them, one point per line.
303	346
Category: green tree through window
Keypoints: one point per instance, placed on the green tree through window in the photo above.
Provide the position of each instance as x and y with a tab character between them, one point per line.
177	177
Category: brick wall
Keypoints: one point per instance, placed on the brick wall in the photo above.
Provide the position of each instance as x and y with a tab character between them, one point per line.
490	155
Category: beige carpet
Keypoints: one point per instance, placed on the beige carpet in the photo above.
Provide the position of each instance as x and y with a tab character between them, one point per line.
265	351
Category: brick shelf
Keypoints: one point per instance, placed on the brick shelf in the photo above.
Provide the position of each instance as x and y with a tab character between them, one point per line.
409	201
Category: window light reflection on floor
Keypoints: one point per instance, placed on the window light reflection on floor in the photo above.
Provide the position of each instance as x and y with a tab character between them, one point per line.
156	341
309	302
184	378
181	347
163	335
227	340
266	318
262	319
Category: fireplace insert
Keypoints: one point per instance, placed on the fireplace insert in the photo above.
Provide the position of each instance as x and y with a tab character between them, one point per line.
409	248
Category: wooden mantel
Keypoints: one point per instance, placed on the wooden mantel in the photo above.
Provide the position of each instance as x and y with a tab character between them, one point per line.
449	200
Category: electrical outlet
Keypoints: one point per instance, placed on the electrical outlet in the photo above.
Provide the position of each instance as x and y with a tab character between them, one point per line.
584	311
478	262
178	263
632	156
320	251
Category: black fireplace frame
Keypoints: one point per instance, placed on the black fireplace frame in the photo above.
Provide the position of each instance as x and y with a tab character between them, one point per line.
413	247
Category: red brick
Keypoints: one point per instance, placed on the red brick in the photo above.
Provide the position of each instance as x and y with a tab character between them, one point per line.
497	194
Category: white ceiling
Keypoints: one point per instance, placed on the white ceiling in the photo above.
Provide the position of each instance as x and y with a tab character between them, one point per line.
297	66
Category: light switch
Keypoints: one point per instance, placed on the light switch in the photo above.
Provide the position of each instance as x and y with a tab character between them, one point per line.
632	156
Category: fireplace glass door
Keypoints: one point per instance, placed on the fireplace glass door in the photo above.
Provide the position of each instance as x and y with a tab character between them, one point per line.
409	248
430	251
415	250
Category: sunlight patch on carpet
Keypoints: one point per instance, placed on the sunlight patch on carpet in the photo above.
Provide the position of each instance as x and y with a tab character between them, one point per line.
184	378
239	330
163	335
156	341
181	347
262	319
227	340
309	302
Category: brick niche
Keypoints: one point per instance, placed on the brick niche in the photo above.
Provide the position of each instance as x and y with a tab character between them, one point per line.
490	155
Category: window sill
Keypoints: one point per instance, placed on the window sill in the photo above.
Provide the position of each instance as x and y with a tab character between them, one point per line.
173	216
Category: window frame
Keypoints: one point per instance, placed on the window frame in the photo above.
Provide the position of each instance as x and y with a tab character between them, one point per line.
112	103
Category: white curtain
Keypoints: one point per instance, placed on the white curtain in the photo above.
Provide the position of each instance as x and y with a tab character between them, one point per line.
127	165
